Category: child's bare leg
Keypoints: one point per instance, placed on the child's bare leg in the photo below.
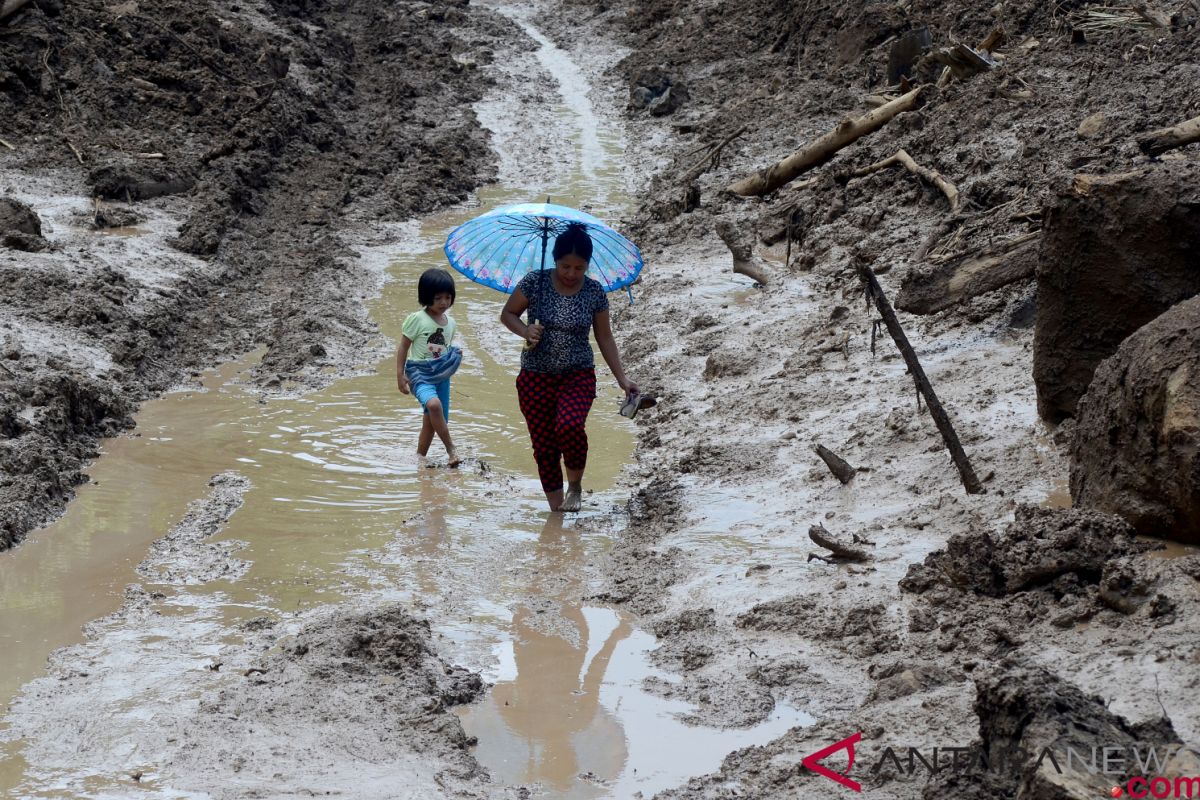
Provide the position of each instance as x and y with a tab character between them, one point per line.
437	419
425	437
555	499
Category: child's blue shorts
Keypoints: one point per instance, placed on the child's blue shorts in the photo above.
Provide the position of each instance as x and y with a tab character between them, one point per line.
424	392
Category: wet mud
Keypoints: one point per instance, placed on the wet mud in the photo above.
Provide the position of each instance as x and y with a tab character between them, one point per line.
1001	623
250	137
962	598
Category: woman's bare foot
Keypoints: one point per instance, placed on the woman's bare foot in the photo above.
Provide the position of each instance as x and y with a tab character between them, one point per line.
573	499
453	459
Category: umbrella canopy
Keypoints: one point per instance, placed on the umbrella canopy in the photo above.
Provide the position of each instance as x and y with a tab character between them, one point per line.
500	247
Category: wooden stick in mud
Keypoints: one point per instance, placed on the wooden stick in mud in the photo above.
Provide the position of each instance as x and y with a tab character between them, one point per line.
710	159
964	278
940	417
900	158
825	147
844	551
9	6
742	248
903	159
1160	141
74	149
6	144
837	465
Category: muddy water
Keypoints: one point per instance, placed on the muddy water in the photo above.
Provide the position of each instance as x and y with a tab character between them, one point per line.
340	509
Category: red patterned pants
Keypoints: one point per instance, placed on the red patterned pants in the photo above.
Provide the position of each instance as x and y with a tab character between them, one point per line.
556	409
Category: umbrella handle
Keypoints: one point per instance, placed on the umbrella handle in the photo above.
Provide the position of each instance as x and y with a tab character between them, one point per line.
527	346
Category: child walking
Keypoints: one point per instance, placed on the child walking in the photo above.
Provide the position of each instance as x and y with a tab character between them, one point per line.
426	358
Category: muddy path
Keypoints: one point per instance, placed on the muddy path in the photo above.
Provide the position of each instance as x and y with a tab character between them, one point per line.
675	639
278	562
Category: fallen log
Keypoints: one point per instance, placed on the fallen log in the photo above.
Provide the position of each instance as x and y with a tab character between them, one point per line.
970	276
1160	141
742	249
1152	15
837	465
846	552
825	147
9	6
924	387
903	159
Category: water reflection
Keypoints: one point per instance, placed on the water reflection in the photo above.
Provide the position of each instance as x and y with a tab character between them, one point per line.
547	706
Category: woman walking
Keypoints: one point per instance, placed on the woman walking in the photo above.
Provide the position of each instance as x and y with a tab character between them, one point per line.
557	382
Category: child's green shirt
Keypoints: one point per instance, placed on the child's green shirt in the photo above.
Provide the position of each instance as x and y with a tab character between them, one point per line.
429	338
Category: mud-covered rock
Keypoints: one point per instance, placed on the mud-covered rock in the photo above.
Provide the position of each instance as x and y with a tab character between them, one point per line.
25	242
1041	547
1117	252
1028	718
1136	450
137	181
114	216
901	680
657	92
16	217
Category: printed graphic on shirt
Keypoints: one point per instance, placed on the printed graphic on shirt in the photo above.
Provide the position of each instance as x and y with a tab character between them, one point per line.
430	338
436	344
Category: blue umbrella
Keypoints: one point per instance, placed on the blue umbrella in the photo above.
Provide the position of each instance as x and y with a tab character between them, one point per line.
500	247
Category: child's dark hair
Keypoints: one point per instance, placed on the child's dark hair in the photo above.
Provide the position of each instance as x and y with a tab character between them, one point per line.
573	241
432	283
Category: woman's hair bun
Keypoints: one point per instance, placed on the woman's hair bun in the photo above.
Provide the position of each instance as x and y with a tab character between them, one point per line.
573	241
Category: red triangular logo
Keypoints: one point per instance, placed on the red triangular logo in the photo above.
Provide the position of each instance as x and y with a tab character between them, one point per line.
847	744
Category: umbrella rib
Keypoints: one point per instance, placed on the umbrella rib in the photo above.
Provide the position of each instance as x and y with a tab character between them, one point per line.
478	253
603	244
496	244
506	249
521	257
473	237
625	244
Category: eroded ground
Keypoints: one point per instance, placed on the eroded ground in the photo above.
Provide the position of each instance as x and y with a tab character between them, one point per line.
994	621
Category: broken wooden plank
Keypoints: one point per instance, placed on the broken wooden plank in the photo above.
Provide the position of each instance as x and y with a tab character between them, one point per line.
970	276
844	551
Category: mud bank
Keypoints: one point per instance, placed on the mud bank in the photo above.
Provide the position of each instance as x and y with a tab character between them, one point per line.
241	152
752	378
347	695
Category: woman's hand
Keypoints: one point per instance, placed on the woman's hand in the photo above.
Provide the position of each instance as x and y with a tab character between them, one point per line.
403	384
629	386
533	333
